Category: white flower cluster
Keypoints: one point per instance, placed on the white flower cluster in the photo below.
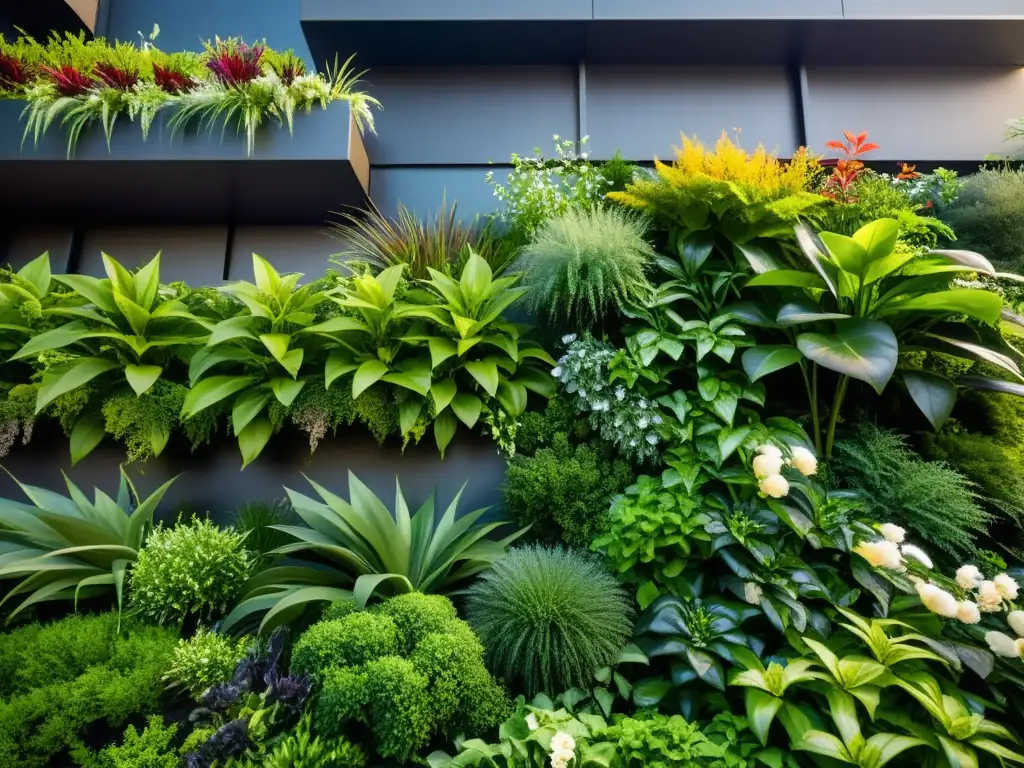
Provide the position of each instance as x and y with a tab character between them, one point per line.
563	749
768	466
989	596
1004	645
622	416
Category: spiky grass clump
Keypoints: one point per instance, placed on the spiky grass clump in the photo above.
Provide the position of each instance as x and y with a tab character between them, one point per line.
549	618
587	265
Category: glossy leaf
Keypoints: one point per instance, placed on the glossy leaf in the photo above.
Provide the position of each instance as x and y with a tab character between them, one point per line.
760	361
142	377
935	395
865	350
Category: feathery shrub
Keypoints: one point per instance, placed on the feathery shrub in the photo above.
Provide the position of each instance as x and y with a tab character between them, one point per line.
988	217
586	266
205	659
549	618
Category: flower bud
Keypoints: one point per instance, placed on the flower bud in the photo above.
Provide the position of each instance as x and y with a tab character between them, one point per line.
775	486
805	462
1002	645
881	554
766	466
968	612
892	532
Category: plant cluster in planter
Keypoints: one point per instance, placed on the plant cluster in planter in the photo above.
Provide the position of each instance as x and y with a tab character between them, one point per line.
722	562
83	82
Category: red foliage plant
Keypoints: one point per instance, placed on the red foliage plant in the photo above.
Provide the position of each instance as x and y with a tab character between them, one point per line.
849	167
69	81
172	82
12	73
236	65
115	77
907	172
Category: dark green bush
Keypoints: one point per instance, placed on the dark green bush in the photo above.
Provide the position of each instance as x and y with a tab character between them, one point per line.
549	618
350	641
254	521
989	217
149	749
930	498
53	717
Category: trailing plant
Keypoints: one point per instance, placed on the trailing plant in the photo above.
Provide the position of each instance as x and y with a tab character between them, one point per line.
549	618
188	571
66	548
587	268
83	82
357	549
852	303
205	659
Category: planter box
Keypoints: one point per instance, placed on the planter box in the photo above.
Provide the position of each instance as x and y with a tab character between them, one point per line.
194	179
934	9
695	10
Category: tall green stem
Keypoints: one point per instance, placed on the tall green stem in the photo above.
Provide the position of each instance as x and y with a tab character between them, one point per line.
833	417
811	385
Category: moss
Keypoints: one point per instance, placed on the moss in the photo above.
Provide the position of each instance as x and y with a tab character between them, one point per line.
318	410
377	410
144	422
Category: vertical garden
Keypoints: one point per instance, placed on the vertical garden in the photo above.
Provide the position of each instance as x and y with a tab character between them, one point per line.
762	421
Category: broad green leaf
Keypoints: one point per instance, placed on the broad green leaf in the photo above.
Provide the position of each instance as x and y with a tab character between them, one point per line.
475	281
512	396
991	385
409	411
241	327
80	372
37	273
267	278
647	594
211	391
731	439
536	380
786	278
248	406
142	377
878	238
445	425
846	252
695	249
120	278
276	343
147	283
440	350
53	339
158	436
286	390
761	708
486	374
883	747
443	392
205	358
94	290
981	304
888	265
649	692
338	364
796	313
822	743
935	395
973	261
87	434
467	407
865	350
368	374
336	325
253	438
979	352
758	362
414	374
757	257
707	667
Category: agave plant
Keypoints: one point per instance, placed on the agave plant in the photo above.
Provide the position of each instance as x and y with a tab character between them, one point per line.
360	549
65	548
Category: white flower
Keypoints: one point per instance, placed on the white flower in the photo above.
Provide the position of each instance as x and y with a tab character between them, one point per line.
642	423
1016	621
652	439
766	465
805	462
1019	642
556	372
968	612
938	600
563	742
909	550
531	722
775	486
752	593
968	577
990	599
1002	645
1007	587
770	450
881	554
620	393
569	338
560	759
892	532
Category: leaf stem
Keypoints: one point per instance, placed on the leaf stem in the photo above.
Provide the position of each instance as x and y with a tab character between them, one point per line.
833	417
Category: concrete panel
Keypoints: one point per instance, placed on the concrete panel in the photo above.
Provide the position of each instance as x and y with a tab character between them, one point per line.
453	116
719	9
289	249
194	255
941	114
932	9
421	189
21	246
641	111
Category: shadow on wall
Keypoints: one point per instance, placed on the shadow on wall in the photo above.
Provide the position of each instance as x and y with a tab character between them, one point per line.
210	479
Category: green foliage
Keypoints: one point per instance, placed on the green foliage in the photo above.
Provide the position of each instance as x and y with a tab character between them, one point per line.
256	521
205	659
659	741
407	670
930	498
54	716
562	491
988	217
134	419
68	548
149	749
549	618
318	409
370	552
587	268
300	749
192	570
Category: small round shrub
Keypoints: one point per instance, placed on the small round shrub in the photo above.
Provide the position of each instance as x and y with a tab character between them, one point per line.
355	639
339	609
205	659
549	618
187	571
400	706
988	217
416	615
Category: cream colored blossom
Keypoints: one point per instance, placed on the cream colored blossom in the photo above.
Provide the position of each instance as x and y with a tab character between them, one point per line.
563	742
1019	642
1002	645
1007	587
938	600
559	759
766	466
770	450
892	532
1016	622
881	554
531	722
968	612
775	486
990	599
806	463
752	593
968	576
916	553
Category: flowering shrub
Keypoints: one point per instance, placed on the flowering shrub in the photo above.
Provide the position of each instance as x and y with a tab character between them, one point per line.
187	571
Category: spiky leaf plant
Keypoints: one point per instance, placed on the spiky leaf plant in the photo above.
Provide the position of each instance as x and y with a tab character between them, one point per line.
586	266
549	618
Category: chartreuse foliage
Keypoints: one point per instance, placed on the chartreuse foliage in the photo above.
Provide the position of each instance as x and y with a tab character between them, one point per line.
67	548
360	549
851	304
